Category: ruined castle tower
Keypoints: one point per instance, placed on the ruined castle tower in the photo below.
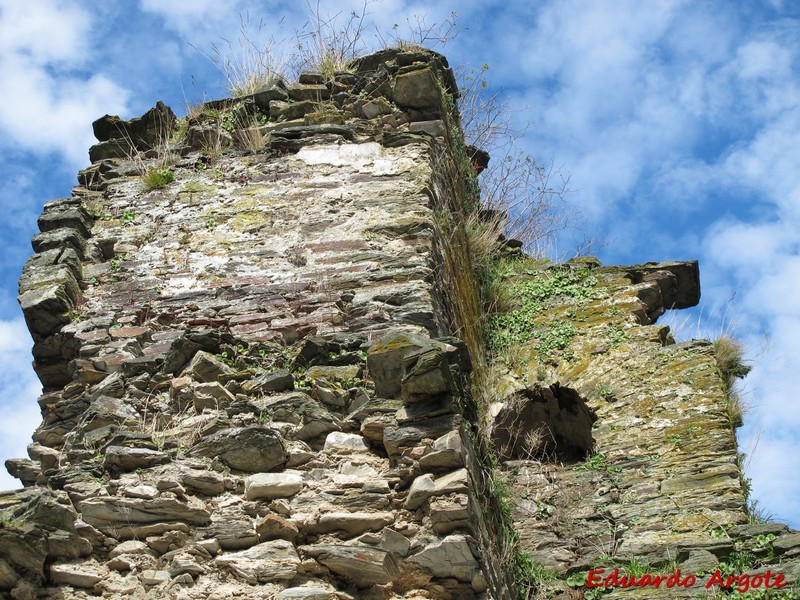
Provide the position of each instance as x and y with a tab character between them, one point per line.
264	365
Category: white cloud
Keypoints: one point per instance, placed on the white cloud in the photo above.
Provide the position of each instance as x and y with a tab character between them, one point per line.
48	104
764	60
45	31
20	390
773	293
770	467
763	241
45	114
202	22
770	161
180	10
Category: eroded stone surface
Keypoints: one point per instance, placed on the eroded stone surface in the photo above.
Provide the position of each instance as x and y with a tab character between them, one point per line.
247	394
271	561
660	462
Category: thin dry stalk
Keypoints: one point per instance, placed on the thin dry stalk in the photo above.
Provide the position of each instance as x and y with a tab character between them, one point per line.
153	163
484	230
247	65
420	35
528	192
327	43
251	138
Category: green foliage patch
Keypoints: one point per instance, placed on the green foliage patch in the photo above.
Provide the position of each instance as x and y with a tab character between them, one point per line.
157	178
532	295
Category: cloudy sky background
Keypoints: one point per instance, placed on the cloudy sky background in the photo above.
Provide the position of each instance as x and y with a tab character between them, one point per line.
677	123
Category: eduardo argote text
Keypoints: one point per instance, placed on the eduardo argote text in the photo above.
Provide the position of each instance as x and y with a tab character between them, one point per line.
741	583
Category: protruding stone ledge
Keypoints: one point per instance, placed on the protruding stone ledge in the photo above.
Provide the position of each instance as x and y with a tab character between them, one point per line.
681	292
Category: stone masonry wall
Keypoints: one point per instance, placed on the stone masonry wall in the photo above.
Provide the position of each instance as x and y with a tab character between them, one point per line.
661	488
247	389
245	327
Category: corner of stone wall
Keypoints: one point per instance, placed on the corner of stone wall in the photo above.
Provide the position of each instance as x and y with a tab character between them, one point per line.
252	380
617	441
262	346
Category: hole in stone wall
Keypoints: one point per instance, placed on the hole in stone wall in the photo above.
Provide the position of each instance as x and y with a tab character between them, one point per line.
544	423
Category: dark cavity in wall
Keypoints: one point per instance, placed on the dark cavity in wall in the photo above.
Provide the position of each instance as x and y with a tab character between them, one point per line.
544	423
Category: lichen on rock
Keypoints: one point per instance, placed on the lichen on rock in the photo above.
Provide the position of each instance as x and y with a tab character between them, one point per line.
261	375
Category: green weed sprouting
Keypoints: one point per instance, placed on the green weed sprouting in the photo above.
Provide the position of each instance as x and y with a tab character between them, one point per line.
615	334
532	296
729	355
730	360
157	178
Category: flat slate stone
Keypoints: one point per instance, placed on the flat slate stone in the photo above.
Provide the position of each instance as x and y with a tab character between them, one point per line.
272	485
111	511
450	557
275	560
252	449
345	443
129	459
361	565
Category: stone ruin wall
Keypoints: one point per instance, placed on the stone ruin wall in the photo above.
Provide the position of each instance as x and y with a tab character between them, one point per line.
252	386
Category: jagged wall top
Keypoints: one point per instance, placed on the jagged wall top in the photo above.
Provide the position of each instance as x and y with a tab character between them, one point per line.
391	90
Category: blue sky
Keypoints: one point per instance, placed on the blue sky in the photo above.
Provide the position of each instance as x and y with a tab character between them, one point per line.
677	122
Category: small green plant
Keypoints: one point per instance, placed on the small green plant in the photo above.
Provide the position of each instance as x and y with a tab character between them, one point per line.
93	210
763	539
178	134
730	360
578	580
264	417
10	522
302	382
719	533
731	366
225	118
211	224
597	462
615	334
225	357
556	338
531	577
157	177
604	391
128	217
737	562
116	263
637	568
